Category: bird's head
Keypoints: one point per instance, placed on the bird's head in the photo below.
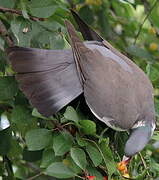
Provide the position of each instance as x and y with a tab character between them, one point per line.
138	138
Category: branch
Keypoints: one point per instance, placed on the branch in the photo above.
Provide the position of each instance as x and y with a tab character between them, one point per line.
5	35
146	17
14	11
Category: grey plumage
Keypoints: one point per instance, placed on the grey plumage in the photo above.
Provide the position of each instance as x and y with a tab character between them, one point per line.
48	78
116	90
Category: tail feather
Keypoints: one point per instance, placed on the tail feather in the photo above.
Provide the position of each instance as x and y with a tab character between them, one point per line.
48	78
88	33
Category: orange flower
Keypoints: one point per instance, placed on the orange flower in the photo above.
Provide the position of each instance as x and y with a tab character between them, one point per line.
153	46
121	166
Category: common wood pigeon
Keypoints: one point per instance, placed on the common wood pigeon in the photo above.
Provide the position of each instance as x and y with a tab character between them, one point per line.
116	90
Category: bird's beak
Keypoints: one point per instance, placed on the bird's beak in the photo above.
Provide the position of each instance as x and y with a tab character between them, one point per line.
126	160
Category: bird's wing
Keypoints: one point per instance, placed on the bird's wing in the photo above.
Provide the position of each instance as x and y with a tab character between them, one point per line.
48	78
113	88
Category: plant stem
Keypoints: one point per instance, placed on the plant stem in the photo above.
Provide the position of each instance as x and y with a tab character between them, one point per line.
5	35
33	177
14	11
146	17
144	163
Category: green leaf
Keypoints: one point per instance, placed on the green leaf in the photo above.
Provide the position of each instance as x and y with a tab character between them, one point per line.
71	164
15	149
22	120
59	170
94	154
139	52
4	122
120	138
31	156
35	113
23	31
86	14
108	158
79	157
48	157
71	114
62	143
23	7
5	141
20	114
8	88
57	42
153	73
7	3
93	172
38	139
80	141
42	8
51	25
88	127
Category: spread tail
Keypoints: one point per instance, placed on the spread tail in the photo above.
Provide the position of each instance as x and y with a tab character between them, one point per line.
48	78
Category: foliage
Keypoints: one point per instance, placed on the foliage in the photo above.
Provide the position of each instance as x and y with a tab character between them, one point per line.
70	145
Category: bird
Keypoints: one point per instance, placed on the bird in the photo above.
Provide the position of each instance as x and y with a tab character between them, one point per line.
115	89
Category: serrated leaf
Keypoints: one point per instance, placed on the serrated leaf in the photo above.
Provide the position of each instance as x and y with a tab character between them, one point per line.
8	88
71	114
59	170
94	154
62	143
38	139
79	157
88	127
42	8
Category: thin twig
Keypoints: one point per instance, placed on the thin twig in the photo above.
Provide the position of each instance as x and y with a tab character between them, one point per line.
37	175
14	11
80	177
144	163
146	17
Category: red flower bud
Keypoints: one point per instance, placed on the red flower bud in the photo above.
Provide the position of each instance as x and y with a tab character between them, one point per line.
105	178
90	177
